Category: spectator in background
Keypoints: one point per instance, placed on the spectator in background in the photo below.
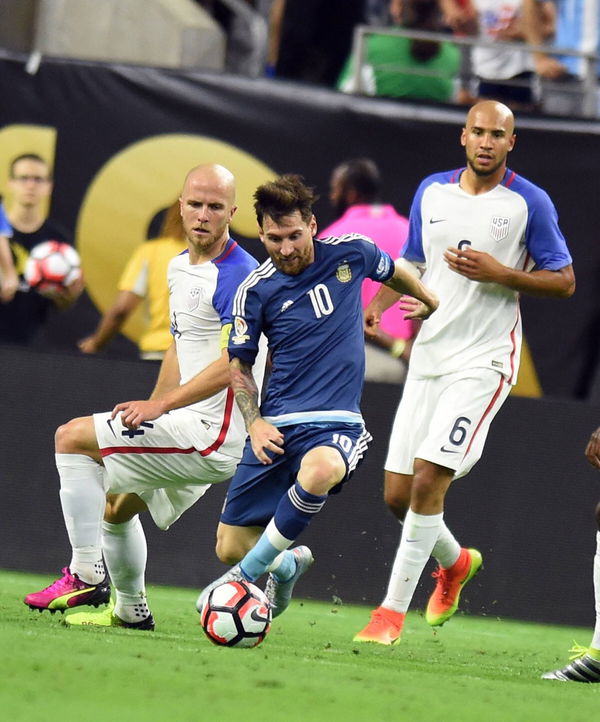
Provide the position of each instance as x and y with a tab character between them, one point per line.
577	28
506	73
313	38
144	280
30	186
9	279
460	17
393	63
355	194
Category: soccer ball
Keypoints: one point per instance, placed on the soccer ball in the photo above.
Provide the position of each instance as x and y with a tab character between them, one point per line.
52	266
236	614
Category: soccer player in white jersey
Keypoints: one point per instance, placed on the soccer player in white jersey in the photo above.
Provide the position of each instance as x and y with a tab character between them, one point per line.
482	235
142	456
308	435
584	663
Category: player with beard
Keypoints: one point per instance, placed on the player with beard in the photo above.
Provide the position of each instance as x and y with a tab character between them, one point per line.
308	435
160	454
481	235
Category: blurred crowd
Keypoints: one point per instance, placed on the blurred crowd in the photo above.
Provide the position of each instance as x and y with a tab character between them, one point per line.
311	41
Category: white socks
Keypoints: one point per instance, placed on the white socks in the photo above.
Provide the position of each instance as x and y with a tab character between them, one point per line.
83	499
125	552
446	550
419	536
596	638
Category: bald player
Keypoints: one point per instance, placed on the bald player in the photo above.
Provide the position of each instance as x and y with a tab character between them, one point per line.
140	457
479	235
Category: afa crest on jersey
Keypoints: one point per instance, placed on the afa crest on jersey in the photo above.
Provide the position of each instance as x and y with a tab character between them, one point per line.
499	228
344	273
240	331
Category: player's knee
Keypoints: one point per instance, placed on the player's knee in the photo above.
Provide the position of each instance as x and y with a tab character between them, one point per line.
229	550
319	476
66	438
77	436
397	502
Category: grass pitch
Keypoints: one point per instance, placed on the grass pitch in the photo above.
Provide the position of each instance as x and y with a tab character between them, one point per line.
308	669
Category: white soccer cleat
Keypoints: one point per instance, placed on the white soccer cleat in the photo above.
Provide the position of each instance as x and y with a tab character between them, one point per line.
279	593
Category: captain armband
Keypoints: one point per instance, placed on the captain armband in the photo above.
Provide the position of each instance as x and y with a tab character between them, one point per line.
397	348
225	331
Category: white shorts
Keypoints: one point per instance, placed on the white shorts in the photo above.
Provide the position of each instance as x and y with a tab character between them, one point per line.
166	462
445	420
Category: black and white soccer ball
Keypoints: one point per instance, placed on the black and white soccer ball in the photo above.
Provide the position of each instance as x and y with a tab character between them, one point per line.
52	266
236	614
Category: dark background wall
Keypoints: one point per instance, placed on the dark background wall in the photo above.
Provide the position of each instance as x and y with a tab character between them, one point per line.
102	113
528	505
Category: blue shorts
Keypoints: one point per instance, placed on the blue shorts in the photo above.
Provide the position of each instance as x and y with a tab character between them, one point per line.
256	489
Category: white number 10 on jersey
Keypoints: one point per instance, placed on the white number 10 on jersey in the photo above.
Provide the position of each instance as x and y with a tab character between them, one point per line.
321	300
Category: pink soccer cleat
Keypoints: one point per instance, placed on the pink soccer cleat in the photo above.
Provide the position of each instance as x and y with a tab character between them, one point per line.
69	591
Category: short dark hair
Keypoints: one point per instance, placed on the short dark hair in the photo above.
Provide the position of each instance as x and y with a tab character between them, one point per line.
29	156
282	197
361	175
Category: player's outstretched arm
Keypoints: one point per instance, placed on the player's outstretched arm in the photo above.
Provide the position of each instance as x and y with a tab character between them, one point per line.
484	268
592	450
212	379
263	435
405	281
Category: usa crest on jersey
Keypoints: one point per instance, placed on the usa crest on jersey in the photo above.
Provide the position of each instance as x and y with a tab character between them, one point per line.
499	228
193	298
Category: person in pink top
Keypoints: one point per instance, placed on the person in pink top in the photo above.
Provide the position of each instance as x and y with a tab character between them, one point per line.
355	194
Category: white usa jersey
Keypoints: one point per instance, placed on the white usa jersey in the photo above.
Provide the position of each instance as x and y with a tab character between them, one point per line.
200	304
478	325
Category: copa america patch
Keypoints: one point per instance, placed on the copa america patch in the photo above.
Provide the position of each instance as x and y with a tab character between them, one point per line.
343	273
240	328
499	228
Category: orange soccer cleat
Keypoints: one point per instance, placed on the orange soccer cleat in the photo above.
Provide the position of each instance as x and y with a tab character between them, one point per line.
444	600
385	627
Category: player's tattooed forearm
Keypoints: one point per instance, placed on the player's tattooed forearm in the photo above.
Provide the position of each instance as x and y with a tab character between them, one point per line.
248	406
246	391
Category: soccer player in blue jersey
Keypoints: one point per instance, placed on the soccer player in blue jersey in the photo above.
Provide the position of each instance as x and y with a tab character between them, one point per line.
308	435
145	458
482	235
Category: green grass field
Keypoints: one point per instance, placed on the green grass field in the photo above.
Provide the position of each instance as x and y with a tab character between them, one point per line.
308	668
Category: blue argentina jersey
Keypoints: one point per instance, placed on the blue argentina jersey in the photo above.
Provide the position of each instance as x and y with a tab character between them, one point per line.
313	322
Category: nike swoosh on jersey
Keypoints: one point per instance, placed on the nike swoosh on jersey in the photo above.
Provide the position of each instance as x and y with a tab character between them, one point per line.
109	422
449	451
437	220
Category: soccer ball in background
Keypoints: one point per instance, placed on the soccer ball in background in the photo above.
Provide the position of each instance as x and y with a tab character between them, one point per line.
236	614
52	266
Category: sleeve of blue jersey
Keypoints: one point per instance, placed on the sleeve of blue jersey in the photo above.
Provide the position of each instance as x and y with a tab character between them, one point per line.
543	237
229	279
413	250
5	227
247	347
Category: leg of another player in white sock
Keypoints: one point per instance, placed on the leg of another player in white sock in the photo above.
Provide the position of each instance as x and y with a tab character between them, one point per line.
419	535
83	500
596	638
446	550
125	553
